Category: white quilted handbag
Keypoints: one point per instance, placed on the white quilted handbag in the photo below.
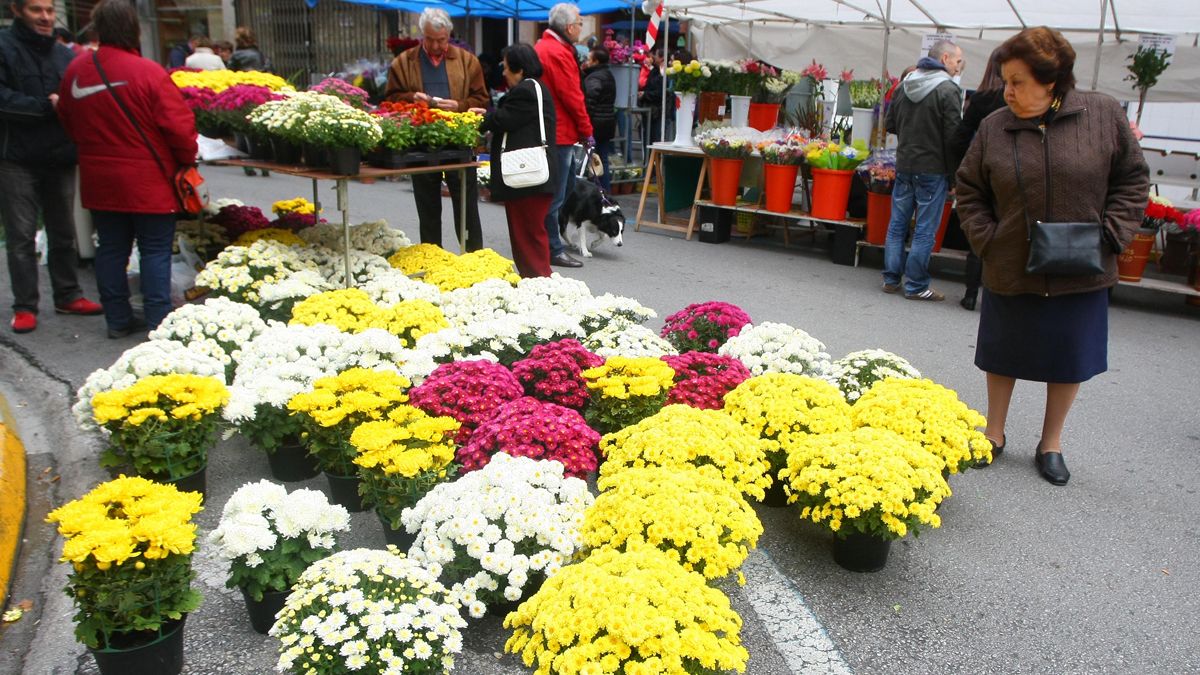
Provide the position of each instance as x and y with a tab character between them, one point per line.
526	167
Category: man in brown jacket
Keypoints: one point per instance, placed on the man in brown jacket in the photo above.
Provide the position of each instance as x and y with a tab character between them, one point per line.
447	77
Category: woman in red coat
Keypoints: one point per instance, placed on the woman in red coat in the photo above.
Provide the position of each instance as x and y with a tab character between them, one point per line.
127	181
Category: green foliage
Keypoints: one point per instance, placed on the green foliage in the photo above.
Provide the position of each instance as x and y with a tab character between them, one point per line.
330	445
270	426
155	450
607	414
398	133
390	494
1147	64
125	600
279	570
865	93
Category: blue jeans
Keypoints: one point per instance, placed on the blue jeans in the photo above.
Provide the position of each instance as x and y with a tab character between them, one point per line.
154	234
926	194
604	149
565	180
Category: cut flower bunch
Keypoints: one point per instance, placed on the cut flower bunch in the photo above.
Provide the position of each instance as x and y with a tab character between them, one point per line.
129	542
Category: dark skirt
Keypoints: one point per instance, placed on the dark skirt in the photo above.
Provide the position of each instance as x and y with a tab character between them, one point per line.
1060	339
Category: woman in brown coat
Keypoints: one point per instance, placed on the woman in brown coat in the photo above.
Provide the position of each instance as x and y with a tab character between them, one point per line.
1054	154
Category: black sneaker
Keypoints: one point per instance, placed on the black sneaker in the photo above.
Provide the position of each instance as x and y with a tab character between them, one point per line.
135	326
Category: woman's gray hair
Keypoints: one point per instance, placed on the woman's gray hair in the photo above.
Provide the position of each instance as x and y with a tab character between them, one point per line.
435	18
563	15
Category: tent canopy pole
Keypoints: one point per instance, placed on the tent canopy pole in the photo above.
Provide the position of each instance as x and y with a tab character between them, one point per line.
1099	44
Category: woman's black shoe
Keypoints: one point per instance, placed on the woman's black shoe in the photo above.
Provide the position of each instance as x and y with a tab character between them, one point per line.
1051	466
997	450
968	302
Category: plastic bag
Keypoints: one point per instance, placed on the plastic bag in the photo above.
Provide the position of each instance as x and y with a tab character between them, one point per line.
39	245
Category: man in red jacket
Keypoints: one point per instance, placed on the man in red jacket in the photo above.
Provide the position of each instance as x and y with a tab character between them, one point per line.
561	76
127	162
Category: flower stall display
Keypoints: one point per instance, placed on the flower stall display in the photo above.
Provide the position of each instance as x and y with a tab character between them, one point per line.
865	96
776	405
727	149
162	425
268	536
686	80
832	164
368	611
702	380
437	129
868	486
620	338
468	391
527	427
218	81
218	327
878	173
1160	215
156	357
238	219
770	88
275	234
400	459
553	372
627	612
494	534
230	107
680	435
856	372
782	157
771	347
239	272
704	326
930	414
130	542
348	93
345	132
626	390
399	137
692	513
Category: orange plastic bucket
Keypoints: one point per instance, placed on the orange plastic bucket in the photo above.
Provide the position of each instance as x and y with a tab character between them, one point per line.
879	214
1131	264
723	178
831	193
763	115
780	182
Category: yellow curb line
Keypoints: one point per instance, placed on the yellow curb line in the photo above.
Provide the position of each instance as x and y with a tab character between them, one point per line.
12	497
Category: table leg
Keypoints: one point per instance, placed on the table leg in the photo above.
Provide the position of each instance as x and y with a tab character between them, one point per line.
695	198
662	189
462	211
645	185
343	204
316	202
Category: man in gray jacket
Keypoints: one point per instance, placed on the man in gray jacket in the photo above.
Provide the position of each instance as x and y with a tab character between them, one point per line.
924	114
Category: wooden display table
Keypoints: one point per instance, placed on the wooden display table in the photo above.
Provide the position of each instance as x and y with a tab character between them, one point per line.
366	172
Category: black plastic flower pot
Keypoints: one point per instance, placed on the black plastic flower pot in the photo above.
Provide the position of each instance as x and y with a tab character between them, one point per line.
291	462
145	653
194	482
285	151
262	612
859	552
316	156
343	490
400	538
345	161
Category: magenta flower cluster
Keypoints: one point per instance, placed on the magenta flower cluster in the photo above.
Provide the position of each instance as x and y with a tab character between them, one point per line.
468	391
336	86
703	379
242	97
704	326
238	220
553	372
295	222
531	428
198	98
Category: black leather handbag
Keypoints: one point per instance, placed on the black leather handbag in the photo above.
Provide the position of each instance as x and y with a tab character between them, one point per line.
1060	249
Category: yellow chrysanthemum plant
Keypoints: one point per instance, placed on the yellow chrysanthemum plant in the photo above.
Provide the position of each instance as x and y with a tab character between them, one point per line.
636	612
930	414
401	458
294	205
352	310
869	481
626	390
129	543
680	436
285	237
417	259
161	426
692	513
336	406
471	268
776	404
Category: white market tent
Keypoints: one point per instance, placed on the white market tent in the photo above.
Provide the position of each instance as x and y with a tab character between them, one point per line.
859	34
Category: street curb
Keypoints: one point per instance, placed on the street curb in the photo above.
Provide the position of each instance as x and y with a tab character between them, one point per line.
12	498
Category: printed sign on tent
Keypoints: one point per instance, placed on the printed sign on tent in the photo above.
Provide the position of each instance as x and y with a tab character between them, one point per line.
1163	43
930	39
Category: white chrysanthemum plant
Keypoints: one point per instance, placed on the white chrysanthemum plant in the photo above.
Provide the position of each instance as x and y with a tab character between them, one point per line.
286	360
155	357
213	207
778	348
620	338
597	312
493	534
331	264
856	372
376	237
556	291
277	298
239	272
218	327
368	611
268	535
505	338
387	288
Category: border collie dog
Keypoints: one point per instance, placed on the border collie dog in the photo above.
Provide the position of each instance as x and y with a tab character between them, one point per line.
585	220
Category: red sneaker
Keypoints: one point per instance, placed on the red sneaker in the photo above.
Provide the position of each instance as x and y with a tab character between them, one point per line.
24	322
81	306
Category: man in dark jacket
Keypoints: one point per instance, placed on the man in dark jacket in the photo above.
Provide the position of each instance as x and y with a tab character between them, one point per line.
924	115
600	95
37	164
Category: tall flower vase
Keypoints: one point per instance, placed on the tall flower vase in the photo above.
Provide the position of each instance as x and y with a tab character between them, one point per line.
710	105
780	180
831	193
685	108
864	124
626	76
763	116
739	111
724	176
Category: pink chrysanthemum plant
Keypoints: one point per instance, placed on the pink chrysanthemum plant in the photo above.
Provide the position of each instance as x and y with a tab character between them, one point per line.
702	379
704	326
468	391
553	372
531	428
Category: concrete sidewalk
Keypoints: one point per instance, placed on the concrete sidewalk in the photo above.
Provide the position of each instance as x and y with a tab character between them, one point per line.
1022	577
